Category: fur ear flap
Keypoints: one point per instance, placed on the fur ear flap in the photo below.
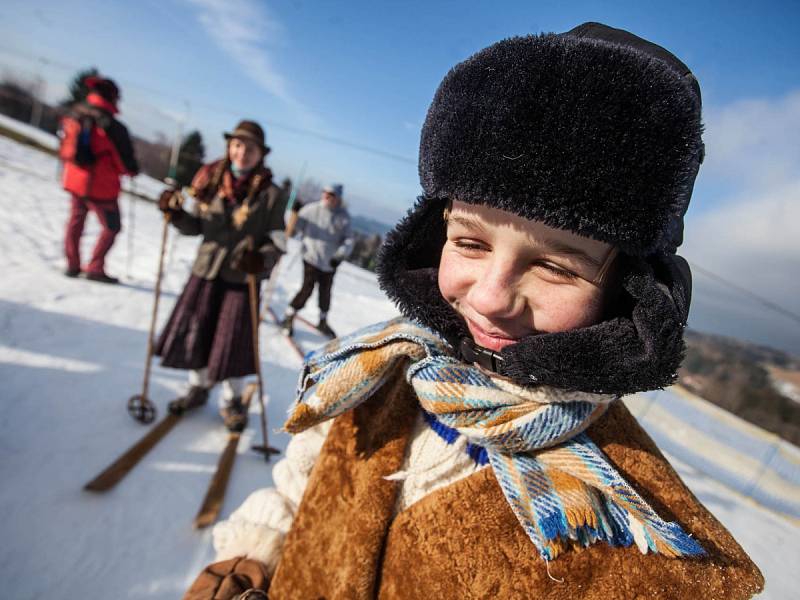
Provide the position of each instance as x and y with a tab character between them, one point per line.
408	267
640	350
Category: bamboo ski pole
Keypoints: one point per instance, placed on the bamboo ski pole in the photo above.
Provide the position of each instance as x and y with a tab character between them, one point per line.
139	406
270	287
265	448
131	227
292	219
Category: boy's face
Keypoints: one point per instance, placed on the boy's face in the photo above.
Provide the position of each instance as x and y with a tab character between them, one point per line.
509	277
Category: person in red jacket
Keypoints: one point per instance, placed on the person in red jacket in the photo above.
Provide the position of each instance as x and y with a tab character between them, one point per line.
97	150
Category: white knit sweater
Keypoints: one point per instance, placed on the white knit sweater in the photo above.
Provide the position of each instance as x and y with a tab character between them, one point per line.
258	527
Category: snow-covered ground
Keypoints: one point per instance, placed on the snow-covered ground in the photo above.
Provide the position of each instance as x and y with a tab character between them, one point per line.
71	353
143	185
32	133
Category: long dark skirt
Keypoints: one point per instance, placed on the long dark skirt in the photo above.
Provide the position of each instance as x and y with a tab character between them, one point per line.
209	327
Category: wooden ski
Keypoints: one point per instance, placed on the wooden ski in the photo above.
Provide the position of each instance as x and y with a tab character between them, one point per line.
295	346
308	324
123	465
209	510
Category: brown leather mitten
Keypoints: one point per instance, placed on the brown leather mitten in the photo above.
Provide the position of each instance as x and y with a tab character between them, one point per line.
228	579
251	261
169	201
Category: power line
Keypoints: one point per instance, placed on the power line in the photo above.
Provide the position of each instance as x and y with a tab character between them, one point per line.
743	290
227	110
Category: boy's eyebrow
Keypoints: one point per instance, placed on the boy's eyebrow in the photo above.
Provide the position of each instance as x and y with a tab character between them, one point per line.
561	248
466	221
550	245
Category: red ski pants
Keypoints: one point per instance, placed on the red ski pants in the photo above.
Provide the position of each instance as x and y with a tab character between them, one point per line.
107	212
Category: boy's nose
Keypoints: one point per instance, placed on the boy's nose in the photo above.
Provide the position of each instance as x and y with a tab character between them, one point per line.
494	295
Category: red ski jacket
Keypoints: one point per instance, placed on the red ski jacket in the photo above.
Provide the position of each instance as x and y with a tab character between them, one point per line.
111	150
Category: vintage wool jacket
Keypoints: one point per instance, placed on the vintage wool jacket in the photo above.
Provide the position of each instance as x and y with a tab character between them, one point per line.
214	215
353	533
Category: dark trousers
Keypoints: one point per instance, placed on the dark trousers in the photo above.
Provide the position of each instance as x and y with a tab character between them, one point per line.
312	275
107	212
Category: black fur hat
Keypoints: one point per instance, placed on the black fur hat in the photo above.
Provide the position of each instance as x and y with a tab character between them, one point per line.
595	131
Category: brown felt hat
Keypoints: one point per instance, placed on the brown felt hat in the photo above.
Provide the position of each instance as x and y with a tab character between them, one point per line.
249	130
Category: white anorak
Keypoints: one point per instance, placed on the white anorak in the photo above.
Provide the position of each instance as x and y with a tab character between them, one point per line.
326	234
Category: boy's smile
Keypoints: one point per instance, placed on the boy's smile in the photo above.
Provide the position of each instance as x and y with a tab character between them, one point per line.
509	277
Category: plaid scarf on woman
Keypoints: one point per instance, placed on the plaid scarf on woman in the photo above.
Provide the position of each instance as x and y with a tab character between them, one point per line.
559	484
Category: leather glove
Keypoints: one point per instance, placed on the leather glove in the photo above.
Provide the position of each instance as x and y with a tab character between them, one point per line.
230	580
169	202
252	262
335	262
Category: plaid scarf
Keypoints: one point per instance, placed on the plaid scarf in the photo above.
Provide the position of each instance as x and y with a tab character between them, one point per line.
558	483
216	178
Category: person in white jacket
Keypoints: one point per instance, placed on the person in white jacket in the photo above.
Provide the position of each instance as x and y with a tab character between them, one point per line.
327	239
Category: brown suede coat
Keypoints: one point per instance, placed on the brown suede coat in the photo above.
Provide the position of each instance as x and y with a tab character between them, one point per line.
463	541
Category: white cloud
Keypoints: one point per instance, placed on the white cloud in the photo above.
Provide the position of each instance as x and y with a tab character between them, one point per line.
246	31
752	236
765	222
754	141
754	243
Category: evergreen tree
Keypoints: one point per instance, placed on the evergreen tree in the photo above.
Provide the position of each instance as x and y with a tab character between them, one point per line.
77	88
190	158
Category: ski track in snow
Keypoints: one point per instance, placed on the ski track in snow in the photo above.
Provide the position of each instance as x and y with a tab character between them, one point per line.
71	354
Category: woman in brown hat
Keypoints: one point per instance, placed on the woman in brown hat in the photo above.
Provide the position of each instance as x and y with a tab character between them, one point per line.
237	210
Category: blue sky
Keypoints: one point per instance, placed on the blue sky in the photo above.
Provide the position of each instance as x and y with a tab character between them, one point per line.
365	72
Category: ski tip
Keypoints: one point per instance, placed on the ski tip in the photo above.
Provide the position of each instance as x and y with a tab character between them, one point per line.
204	520
267	451
94	486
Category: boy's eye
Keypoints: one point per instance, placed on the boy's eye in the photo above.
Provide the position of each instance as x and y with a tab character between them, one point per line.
555	271
469	245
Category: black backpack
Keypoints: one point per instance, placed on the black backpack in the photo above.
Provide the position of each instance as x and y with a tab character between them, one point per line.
84	156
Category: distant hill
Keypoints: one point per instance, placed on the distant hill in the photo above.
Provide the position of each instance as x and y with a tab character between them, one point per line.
756	383
369	226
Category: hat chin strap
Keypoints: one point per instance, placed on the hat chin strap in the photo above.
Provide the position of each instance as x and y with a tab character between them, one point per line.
473	353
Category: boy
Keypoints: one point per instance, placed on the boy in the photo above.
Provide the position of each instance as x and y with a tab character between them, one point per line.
478	448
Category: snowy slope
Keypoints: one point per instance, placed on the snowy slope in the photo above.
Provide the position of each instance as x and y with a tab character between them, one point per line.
71	353
143	184
39	136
